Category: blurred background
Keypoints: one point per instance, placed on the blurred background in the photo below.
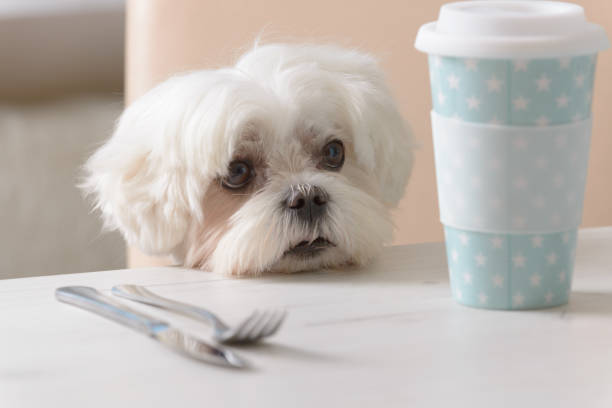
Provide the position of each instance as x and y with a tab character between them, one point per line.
61	88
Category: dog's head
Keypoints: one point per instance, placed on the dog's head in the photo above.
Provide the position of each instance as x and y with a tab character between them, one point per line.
290	160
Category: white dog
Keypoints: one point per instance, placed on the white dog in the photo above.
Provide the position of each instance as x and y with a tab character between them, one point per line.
288	161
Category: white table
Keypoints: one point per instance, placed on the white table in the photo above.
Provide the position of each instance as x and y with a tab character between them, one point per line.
386	336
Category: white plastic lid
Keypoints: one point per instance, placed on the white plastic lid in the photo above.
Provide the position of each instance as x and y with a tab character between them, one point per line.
511	29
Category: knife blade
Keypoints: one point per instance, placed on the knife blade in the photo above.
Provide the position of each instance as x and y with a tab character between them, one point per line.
94	301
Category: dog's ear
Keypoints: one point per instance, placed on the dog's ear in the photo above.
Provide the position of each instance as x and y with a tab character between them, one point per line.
149	177
383	141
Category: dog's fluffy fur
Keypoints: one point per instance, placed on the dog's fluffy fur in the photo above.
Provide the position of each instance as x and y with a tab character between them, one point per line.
158	178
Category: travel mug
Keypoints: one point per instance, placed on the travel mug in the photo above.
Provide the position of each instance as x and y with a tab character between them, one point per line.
512	85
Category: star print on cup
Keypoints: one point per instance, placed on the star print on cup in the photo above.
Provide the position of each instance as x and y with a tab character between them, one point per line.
510	178
511	127
510	271
544	92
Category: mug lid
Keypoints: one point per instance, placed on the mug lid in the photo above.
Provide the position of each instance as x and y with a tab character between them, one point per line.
511	29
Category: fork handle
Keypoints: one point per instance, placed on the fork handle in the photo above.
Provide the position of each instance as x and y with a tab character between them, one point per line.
141	294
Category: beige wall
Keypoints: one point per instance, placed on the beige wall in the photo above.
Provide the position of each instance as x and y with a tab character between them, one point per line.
53	49
168	36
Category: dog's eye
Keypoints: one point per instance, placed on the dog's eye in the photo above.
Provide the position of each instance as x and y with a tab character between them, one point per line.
333	155
239	174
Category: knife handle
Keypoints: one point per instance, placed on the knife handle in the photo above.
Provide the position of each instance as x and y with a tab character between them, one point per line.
90	299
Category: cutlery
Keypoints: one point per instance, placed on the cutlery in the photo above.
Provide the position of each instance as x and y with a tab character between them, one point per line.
252	329
94	301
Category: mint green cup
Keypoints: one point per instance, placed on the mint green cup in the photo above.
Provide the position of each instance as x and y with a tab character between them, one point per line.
511	123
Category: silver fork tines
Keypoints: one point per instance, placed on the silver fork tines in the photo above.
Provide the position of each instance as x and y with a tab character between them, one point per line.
258	325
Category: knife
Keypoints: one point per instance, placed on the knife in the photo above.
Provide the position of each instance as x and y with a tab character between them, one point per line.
91	299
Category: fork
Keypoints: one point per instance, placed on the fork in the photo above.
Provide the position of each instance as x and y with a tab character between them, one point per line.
252	329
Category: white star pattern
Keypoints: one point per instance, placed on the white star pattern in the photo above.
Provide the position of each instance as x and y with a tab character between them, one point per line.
574	158
467	277
480	259
579	80
495	163
562	101
497	242
564	63
541	162
533	194
518	299
458	161
518	221
535	80
520	103
473	103
541	176
453	81
520	65
520	183
555	219
566	237
535	280
494	84
532	285
542	121
536	241
495	121
441	98
543	83
471	64
519	260
561	141
539	202
520	143
549	297
496	203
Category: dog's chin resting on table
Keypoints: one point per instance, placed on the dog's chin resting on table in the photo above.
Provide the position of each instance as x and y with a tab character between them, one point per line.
288	161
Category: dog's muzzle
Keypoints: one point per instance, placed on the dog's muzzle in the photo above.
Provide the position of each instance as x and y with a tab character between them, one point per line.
307	202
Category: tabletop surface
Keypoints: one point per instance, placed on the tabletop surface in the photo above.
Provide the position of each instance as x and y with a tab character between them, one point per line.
388	334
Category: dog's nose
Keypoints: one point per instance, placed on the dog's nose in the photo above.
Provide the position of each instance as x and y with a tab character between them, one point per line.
307	202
